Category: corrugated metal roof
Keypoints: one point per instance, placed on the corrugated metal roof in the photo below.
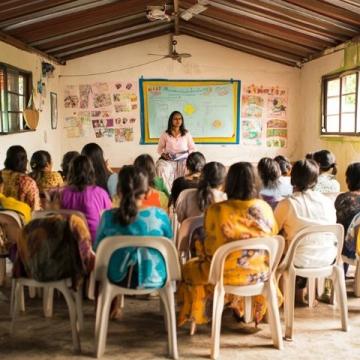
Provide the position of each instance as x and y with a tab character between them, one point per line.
287	31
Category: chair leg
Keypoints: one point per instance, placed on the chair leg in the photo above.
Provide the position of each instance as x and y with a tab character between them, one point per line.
99	306
357	279
2	270
104	321
320	286
48	301
167	296
289	294
273	315
79	308
311	291
72	312
340	290
248	309
218	306
21	299
32	292
17	289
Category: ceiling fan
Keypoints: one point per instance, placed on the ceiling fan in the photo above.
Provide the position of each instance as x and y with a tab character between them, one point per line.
174	55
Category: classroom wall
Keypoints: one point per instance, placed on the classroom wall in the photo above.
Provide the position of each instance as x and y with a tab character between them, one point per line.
44	137
346	149
208	61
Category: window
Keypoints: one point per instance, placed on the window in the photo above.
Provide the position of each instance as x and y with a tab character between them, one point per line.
340	113
15	90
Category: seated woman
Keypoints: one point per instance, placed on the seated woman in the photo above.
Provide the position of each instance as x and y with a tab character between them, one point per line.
242	216
53	248
131	219
102	172
272	191
9	203
285	167
306	207
83	195
16	183
193	202
347	205
326	181
174	146
66	162
145	164
41	166
194	164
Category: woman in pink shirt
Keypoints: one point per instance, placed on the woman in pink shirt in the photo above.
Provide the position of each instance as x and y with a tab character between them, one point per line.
174	146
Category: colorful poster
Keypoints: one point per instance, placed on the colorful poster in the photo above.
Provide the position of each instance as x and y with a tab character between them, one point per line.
264	115
252	131
71	96
104	107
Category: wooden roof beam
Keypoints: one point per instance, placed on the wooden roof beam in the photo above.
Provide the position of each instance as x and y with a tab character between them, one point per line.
329	10
102	37
52	12
22	46
294	48
232	45
163	27
121	20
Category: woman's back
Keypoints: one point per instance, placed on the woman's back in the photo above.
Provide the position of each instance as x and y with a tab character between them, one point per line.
150	221
91	201
21	187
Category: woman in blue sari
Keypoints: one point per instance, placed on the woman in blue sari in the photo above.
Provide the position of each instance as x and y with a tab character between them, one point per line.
147	265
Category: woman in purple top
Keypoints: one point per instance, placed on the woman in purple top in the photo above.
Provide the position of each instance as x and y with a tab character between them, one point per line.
83	195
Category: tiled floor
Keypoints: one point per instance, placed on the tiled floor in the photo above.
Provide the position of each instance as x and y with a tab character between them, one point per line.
140	335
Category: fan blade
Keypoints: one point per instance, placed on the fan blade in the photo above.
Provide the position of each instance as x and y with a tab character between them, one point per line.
158	55
184	55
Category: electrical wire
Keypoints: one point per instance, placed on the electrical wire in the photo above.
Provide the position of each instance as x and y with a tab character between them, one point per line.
113	71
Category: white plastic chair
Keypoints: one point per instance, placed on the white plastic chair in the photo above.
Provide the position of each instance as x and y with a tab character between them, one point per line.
274	246
184	235
75	311
333	270
12	224
356	261
109	290
48	290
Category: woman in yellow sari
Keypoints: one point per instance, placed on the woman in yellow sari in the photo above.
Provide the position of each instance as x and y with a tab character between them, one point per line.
242	216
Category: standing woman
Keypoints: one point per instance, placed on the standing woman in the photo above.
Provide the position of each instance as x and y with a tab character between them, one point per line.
102	173
174	146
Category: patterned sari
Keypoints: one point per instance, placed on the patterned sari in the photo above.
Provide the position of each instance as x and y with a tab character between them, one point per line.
224	222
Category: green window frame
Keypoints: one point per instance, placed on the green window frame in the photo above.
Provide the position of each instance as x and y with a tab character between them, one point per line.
15	91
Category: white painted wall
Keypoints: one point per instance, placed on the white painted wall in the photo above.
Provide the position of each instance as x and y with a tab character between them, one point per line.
44	138
346	149
208	61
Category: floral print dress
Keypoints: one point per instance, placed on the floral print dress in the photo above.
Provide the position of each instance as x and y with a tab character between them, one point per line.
21	187
225	222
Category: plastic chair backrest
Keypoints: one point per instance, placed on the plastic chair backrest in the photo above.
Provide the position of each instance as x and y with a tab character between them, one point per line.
44	213
332	196
112	243
274	245
187	227
336	229
12	223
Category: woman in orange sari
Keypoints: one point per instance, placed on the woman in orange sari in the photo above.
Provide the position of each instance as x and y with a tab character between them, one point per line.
242	216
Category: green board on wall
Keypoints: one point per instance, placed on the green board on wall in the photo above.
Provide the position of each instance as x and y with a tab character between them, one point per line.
211	109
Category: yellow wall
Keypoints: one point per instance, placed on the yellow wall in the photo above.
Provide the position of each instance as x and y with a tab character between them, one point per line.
346	149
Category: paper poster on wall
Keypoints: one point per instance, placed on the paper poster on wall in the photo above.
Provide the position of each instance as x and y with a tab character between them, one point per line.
104	107
71	96
264	115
